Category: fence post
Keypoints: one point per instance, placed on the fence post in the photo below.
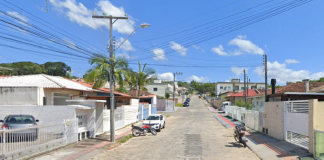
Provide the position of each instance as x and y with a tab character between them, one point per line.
4	143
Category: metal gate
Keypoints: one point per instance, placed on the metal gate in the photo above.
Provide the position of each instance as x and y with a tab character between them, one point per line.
252	119
296	123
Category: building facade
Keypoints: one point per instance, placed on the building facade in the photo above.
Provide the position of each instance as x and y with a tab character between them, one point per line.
235	85
160	89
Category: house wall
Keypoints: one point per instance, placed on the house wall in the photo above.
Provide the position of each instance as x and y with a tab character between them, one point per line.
273	119
20	96
230	86
161	89
258	103
234	99
73	94
316	114
218	104
46	115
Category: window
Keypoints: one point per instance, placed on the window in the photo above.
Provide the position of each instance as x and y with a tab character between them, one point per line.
229	87
236	88
242	88
221	87
60	98
154	89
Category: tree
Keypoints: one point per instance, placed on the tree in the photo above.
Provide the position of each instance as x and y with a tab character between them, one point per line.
122	90
144	76
100	73
56	68
167	95
130	79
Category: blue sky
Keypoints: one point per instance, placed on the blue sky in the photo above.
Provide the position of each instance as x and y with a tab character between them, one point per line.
209	41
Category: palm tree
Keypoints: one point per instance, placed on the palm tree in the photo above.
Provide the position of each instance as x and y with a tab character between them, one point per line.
100	73
144	76
130	78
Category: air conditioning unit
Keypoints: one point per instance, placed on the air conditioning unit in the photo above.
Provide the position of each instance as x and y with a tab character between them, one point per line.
83	94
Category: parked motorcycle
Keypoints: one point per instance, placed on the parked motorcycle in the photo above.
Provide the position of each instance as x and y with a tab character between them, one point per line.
239	134
137	131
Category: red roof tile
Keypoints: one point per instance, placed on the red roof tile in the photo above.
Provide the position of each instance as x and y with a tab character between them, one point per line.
102	89
296	87
250	92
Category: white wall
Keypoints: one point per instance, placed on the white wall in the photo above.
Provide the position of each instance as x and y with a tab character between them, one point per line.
46	115
19	96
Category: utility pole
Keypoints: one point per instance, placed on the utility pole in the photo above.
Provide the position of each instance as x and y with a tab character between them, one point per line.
178	73
244	89
266	77
112	77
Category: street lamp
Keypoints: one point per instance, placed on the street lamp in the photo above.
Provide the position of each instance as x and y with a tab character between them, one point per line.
144	25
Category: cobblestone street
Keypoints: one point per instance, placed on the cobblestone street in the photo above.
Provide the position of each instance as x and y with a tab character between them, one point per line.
190	133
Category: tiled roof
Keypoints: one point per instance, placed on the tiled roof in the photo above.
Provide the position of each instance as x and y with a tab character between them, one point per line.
297	87
229	92
41	80
250	92
102	89
294	87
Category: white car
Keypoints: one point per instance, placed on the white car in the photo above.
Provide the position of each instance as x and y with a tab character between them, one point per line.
156	121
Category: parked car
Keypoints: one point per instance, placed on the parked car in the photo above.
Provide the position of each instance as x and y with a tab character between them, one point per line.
156	121
12	122
186	104
188	99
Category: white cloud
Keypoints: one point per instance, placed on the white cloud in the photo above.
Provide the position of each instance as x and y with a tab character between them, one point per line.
125	55
17	15
219	50
194	46
290	61
246	45
159	54
166	76
238	71
78	13
197	79
127	46
283	74
177	47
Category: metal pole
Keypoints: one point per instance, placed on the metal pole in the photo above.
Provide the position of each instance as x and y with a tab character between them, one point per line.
266	77
244	90
173	90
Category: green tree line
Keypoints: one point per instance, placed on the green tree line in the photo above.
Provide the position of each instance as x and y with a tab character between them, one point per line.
29	68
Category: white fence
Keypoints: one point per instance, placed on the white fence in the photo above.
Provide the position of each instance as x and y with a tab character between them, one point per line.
23	143
248	117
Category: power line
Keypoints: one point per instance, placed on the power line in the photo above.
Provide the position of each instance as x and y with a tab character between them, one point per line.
244	24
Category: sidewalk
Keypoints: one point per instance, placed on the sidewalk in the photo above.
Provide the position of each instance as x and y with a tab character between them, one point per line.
87	148
170	110
266	147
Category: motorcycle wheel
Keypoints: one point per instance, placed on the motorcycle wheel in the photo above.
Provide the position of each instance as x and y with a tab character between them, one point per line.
235	137
153	131
136	133
244	143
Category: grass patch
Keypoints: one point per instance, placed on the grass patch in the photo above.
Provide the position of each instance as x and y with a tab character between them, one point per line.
167	115
125	139
179	104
